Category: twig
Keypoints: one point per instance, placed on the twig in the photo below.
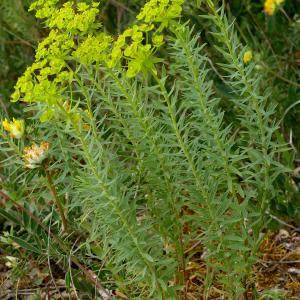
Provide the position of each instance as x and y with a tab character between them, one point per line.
285	14
18	37
194	245
4	107
70	268
92	277
264	34
279	76
17	289
48	257
282	261
121	5
284	223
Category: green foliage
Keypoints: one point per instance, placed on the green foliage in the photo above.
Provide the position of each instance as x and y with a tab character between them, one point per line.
18	35
131	145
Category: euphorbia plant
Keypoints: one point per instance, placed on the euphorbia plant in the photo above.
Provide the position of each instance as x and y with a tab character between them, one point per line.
143	149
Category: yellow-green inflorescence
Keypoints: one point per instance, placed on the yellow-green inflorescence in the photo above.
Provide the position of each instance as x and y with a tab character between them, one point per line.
75	37
161	11
45	80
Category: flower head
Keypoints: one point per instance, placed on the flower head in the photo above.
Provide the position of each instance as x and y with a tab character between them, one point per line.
34	155
271	5
11	261
16	127
6	125
247	57
161	11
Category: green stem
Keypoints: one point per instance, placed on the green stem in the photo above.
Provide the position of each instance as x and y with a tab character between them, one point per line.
113	201
164	169
209	117
185	150
257	106
56	198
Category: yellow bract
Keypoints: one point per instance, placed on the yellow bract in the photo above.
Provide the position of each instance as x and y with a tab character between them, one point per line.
16	127
247	57
6	125
271	5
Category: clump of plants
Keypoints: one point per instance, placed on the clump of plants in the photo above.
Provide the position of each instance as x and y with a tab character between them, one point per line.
124	162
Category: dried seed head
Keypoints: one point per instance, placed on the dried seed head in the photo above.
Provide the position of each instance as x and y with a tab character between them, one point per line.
34	155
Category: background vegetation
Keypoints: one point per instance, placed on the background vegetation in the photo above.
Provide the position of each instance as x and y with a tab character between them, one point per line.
116	165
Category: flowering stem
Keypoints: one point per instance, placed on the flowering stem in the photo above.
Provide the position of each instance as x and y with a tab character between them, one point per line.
56	199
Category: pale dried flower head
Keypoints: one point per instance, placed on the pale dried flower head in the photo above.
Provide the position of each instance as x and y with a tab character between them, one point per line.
34	155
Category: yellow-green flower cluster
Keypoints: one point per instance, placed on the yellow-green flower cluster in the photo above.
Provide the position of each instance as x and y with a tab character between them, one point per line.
16	127
44	81
35	86
57	44
44	8
133	43
131	46
81	20
93	49
74	37
70	17
161	11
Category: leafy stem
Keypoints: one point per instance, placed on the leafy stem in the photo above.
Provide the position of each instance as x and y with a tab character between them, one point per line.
56	198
